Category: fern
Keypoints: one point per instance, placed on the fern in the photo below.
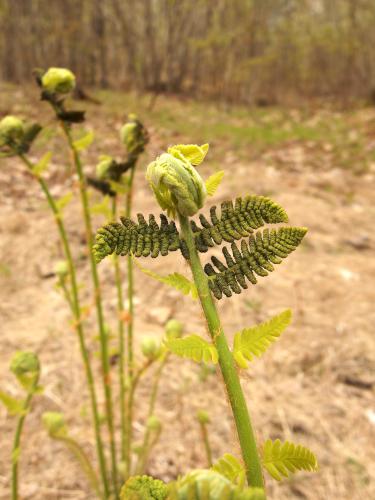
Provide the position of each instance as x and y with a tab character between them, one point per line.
142	239
263	249
280	459
236	221
255	341
213	182
231	468
193	347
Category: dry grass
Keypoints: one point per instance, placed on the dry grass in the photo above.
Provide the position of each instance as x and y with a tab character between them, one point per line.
316	386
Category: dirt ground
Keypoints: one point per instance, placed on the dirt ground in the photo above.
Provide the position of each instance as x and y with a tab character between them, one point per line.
314	386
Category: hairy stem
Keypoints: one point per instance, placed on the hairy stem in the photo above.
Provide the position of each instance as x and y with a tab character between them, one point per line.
98	303
231	380
121	342
17	438
83	460
76	309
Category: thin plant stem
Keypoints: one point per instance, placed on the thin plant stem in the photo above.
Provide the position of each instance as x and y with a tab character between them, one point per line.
17	437
130	325
231	380
206	442
78	325
121	341
98	303
146	439
83	460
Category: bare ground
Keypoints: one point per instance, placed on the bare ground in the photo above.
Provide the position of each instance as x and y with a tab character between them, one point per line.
315	386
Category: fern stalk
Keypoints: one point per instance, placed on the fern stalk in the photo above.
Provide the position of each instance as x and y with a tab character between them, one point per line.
206	442
76	309
98	303
17	437
231	380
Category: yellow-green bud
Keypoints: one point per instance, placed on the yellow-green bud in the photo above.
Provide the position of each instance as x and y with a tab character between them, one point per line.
133	135
54	422
61	269
11	129
176	183
174	329
154	423
103	166
203	417
151	348
58	81
25	363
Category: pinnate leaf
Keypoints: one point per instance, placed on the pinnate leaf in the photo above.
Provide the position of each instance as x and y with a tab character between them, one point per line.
13	405
42	164
84	142
213	182
193	347
255	341
281	459
231	468
62	202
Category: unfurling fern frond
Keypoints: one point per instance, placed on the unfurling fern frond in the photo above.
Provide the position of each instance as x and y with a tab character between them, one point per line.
280	459
236	221
255	257
142	239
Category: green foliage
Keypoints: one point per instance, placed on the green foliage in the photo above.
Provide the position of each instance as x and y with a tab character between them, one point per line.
144	488
84	142
236	221
264	249
62	202
281	459
255	341
213	182
231	468
13	405
175	280
142	239
42	164
193	347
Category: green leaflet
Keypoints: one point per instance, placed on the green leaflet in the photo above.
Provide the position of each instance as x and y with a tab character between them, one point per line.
84	142
255	341
102	208
231	468
281	459
13	405
175	280
62	202
42	164
213	182
193	347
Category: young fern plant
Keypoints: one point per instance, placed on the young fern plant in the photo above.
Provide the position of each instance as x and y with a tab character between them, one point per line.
181	192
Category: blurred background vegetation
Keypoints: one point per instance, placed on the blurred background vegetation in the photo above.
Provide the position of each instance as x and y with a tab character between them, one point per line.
260	52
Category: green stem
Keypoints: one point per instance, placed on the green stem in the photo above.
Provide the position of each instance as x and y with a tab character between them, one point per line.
130	340
83	460
17	438
78	325
142	459
121	341
231	380
206	443
98	303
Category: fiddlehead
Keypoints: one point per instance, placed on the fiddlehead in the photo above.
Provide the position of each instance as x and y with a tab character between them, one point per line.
236	221
255	257
141	240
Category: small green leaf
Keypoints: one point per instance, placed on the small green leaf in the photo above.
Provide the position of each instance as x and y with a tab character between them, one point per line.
281	459
42	164
213	182
255	341
193	347
102	208
13	405
84	142
118	187
62	202
16	455
231	468
175	280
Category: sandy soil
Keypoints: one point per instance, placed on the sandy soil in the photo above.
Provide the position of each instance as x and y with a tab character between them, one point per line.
315	386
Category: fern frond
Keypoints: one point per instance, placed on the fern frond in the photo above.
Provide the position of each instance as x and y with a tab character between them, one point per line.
255	257
141	240
236	221
280	459
231	468
193	347
255	341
